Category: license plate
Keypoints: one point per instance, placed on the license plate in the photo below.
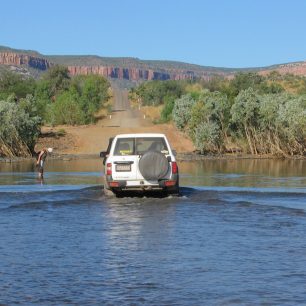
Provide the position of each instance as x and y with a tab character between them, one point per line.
123	167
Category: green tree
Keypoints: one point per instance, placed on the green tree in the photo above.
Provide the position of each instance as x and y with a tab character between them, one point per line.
166	113
199	112
19	126
93	93
207	137
53	82
245	114
67	110
218	107
182	110
79	103
291	122
261	84
18	85
243	81
43	98
154	92
57	80
215	83
211	111
269	138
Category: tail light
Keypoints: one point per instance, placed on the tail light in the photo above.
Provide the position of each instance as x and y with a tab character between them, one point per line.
174	168
170	183
109	169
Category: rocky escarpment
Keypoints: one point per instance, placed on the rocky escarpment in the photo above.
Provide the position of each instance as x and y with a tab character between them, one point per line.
125	73
132	74
16	59
133	69
136	74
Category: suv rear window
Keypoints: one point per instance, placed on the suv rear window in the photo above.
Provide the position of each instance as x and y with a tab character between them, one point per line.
151	144
138	146
124	146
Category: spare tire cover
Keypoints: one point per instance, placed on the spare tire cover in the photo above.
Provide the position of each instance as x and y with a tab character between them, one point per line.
153	165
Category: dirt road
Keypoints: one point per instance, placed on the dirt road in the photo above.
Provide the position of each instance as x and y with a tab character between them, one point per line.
123	116
91	139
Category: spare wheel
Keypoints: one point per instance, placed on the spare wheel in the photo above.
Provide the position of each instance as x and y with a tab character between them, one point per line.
153	165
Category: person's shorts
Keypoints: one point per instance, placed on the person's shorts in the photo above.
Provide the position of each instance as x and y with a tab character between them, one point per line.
40	166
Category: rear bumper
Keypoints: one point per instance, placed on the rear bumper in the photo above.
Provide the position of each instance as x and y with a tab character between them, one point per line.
171	182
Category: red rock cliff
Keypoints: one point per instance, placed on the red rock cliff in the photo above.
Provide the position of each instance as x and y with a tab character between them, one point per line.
9	58
136	74
133	74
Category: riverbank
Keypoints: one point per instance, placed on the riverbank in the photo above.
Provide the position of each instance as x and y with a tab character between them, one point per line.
181	157
87	141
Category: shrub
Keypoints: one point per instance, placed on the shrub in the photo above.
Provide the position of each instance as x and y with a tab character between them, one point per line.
245	116
91	93
76	104
207	137
291	124
67	110
154	92
166	113
18	85
182	110
61	132
19	126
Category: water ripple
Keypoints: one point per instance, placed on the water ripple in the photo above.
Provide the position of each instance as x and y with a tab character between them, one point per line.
66	243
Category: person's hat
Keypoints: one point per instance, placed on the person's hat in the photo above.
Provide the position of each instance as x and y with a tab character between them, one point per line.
50	150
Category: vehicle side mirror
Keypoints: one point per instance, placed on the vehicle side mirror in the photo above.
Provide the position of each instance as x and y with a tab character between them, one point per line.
174	152
103	154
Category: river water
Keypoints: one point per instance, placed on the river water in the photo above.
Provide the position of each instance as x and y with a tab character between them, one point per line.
236	236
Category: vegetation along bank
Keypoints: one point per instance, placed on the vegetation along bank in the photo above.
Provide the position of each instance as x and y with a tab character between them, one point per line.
251	113
56	98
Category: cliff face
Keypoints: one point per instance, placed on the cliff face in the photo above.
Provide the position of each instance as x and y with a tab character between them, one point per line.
133	73
9	58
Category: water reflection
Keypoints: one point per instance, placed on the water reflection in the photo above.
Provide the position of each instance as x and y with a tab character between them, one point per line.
242	172
268	167
64	242
134	219
55	165
245	173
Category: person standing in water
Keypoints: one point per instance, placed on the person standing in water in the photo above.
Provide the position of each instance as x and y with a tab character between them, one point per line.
41	158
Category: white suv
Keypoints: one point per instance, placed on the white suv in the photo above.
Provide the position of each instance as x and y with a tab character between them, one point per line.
140	162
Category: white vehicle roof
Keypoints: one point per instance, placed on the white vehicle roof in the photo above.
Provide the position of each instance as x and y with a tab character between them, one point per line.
140	135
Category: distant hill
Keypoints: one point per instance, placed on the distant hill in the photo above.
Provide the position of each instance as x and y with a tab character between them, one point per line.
30	52
126	68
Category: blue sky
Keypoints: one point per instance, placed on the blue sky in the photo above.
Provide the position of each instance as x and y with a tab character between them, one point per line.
233	33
